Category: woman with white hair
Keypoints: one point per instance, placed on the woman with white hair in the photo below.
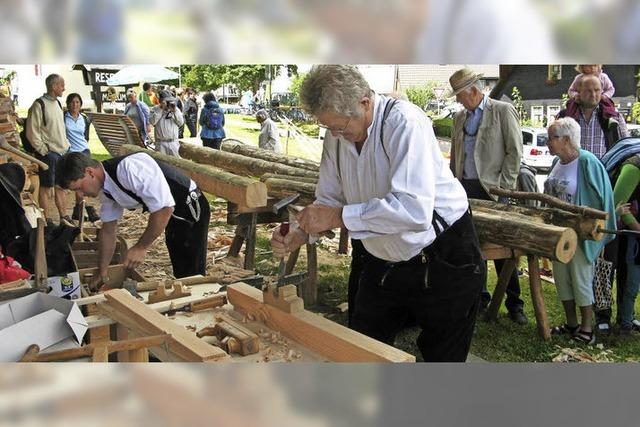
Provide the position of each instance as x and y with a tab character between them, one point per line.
269	139
578	177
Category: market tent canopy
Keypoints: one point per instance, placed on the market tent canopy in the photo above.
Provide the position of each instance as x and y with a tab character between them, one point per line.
133	74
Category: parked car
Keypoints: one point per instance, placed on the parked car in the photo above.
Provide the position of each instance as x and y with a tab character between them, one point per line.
634	130
535	152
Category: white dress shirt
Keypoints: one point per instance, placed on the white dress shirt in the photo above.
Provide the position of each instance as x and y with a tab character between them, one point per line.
140	174
388	202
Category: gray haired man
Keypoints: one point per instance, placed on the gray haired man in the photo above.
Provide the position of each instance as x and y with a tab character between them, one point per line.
383	177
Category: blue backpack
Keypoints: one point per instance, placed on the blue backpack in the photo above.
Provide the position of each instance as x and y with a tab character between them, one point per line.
214	118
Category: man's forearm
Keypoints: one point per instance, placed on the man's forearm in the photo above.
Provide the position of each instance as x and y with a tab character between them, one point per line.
107	245
157	223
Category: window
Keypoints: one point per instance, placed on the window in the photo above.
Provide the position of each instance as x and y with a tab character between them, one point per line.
537	114
552	112
527	138
554	73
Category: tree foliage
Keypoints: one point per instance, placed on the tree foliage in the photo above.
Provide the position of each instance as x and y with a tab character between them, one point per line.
421	95
295	86
249	76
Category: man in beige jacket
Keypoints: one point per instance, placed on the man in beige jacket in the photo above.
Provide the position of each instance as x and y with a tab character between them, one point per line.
486	149
46	132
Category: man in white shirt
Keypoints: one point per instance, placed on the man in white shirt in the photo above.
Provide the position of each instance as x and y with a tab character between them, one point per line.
166	119
175	204
383	177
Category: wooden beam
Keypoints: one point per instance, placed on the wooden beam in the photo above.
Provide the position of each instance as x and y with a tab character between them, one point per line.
143	320
267	176
237	189
281	188
239	164
333	341
238	147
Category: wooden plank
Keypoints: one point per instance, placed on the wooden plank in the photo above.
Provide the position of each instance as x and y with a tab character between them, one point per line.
141	319
333	341
237	189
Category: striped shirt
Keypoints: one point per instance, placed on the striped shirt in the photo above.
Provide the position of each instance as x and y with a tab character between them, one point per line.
591	135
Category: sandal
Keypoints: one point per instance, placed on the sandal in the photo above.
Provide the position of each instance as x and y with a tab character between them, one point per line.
565	329
585	337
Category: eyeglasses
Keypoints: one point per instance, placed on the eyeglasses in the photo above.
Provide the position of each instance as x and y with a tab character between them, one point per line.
334	130
555	136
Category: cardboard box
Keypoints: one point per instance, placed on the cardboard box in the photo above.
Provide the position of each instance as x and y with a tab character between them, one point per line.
67	286
38	319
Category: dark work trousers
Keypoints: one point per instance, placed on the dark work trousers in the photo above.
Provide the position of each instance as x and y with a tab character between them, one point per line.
440	287
181	132
191	124
187	242
212	143
475	190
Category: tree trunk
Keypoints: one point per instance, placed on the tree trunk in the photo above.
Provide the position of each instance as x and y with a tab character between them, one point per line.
551	201
303	179
240	164
237	189
585	228
281	188
238	147
520	232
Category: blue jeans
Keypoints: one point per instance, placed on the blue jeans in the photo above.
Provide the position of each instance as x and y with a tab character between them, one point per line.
626	311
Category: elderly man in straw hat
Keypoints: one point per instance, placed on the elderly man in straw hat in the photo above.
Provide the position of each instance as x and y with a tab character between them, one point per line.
383	177
486	149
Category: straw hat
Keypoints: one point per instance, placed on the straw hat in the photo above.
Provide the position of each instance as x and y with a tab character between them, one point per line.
462	79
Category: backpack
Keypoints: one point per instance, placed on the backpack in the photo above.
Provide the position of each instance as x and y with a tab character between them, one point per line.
213	119
23	134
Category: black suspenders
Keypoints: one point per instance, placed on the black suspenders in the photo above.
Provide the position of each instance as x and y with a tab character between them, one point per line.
437	222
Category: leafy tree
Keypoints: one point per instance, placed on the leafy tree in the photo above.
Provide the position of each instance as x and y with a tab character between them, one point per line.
519	106
248	76
421	95
295	86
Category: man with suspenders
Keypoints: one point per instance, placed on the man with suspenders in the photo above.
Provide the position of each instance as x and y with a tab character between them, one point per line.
383	177
175	204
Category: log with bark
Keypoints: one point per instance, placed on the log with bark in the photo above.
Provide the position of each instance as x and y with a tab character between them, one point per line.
551	201
239	164
585	228
281	188
520	232
237	189
303	179
238	147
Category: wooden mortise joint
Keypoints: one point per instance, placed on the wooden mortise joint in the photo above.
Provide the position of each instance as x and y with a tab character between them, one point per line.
178	291
284	298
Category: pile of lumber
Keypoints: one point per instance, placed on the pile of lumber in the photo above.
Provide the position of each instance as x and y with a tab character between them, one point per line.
280	174
8	122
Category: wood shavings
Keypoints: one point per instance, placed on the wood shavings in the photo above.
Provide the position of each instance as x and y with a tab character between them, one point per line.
579	355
